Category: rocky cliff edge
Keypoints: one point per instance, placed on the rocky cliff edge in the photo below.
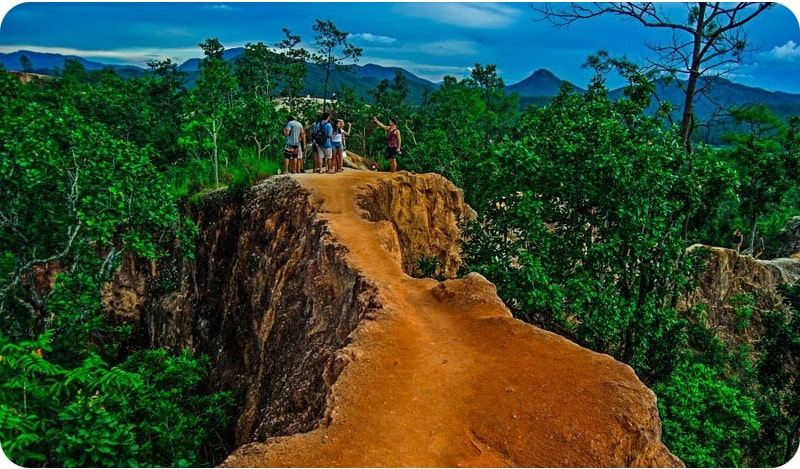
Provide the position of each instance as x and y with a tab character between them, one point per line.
300	292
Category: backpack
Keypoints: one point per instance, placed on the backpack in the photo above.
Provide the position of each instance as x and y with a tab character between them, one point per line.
318	135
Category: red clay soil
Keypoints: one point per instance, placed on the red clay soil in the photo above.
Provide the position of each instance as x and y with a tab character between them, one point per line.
443	376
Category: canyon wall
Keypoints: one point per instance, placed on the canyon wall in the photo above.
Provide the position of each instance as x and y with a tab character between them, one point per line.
300	292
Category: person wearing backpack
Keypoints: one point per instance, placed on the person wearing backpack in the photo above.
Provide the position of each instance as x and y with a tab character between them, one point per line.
393	141
323	131
314	133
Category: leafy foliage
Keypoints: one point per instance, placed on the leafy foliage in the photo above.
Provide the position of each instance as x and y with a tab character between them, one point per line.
779	381
584	223
705	420
333	51
586	209
145	412
600	192
75	199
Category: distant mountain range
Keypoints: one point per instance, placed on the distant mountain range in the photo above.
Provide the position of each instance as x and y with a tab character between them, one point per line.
538	88
47	63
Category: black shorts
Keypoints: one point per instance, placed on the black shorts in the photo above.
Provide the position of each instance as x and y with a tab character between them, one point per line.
391	153
291	151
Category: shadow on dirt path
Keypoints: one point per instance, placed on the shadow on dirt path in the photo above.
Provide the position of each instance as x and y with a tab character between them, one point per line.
443	376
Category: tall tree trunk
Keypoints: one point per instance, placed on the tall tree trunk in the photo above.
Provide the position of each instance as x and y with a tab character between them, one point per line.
753	230
214	153
325	89
687	120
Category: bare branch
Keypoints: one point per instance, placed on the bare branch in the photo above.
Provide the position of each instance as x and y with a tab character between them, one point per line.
72	234
710	40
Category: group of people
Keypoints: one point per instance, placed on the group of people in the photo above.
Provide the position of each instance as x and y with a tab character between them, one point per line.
329	155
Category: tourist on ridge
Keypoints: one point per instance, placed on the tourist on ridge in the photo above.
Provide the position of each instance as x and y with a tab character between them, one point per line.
293	131
393	141
301	151
318	154
338	142
738	239
325	150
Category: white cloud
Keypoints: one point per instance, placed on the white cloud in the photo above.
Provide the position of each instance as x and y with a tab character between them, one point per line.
152	29
739	77
219	7
787	52
448	48
467	15
373	38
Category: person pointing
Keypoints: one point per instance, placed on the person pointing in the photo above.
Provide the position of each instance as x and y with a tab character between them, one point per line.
393	141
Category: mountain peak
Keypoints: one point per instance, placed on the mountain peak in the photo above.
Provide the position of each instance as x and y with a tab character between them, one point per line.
542	82
544	73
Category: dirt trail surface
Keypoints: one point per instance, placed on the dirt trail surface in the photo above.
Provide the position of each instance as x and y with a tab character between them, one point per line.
443	376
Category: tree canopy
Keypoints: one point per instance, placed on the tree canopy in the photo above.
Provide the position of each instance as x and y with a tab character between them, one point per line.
586	208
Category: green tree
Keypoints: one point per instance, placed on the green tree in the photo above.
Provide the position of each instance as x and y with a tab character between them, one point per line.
74	72
389	96
501	107
457	126
145	412
333	51
117	103
449	130
706	421
89	184
256	71
767	167
779	378
710	40
583	235
293	68
210	104
165	96
25	63
74	201
258	74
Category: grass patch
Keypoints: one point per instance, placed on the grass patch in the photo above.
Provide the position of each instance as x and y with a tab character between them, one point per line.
197	176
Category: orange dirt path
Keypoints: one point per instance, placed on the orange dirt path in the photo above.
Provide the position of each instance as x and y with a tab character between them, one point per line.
446	379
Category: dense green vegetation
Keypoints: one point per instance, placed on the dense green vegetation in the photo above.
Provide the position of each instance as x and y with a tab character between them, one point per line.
76	197
585	209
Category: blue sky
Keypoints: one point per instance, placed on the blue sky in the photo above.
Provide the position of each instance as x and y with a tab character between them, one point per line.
429	39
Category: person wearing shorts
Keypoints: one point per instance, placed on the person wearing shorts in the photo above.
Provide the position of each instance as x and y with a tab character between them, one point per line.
326	150
337	141
298	162
294	133
393	141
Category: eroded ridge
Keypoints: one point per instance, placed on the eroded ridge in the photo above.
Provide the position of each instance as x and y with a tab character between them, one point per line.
439	373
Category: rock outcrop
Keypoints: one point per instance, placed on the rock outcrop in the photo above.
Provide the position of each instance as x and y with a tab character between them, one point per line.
729	276
300	293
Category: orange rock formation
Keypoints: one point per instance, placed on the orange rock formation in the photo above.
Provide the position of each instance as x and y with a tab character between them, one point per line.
442	375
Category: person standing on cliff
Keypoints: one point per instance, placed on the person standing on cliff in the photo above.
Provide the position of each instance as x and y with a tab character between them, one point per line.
295	134
338	142
393	141
325	150
316	149
738	239
302	151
